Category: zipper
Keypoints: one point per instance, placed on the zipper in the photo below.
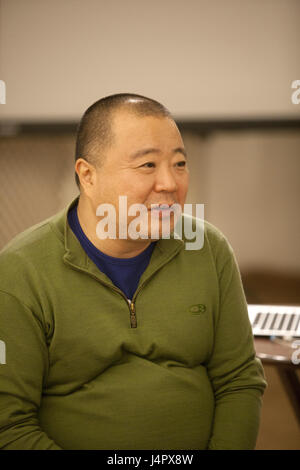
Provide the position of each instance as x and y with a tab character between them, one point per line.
133	319
133	322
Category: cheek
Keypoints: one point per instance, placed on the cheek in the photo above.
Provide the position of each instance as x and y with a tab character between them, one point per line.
138	190
183	187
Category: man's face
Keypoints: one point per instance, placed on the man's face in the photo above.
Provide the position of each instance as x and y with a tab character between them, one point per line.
158	175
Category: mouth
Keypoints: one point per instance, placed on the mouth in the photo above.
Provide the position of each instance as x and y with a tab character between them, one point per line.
162	207
162	211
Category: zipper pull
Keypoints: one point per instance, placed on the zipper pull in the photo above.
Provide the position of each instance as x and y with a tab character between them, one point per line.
133	322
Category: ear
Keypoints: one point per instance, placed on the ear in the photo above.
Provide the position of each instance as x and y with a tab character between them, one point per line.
86	174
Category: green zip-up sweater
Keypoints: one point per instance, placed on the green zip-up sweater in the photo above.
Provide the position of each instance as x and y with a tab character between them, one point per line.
176	369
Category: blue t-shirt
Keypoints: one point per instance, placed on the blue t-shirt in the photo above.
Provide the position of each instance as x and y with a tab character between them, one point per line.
125	273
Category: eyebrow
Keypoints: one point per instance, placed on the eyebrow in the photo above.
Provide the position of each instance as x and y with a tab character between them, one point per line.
141	153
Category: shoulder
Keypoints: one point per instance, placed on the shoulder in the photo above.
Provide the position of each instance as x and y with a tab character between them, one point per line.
201	233
32	247
205	243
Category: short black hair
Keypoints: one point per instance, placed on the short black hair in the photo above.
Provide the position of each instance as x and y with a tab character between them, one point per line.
95	133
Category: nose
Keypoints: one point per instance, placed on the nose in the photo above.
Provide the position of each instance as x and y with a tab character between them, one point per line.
165	180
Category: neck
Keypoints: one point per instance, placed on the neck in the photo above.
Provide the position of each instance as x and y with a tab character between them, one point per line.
118	248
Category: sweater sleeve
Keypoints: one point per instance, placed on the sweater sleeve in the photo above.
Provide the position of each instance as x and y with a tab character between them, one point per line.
23	369
235	372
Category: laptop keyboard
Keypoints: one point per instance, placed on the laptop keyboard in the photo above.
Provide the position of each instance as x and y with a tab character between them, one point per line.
274	320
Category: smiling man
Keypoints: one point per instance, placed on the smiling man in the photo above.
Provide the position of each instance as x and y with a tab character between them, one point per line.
125	342
143	158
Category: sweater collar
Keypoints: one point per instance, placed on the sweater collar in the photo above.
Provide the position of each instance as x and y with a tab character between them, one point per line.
76	257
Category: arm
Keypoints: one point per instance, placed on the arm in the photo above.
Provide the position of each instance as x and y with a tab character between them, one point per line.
236	374
22	377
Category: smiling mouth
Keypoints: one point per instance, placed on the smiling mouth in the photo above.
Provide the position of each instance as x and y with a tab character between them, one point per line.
161	206
162	211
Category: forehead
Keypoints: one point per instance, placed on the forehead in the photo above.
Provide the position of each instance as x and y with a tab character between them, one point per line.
133	133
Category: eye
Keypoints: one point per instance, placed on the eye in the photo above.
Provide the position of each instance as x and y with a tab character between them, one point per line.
146	165
181	164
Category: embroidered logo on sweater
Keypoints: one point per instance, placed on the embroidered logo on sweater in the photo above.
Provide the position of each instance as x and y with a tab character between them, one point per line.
197	309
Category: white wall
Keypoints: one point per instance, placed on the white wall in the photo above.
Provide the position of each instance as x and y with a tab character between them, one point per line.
249	184
201	58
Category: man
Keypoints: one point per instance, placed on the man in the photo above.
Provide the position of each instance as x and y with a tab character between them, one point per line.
125	342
